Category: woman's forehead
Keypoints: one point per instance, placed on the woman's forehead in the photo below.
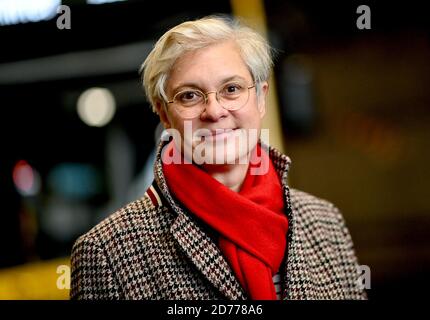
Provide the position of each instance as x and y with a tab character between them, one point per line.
211	65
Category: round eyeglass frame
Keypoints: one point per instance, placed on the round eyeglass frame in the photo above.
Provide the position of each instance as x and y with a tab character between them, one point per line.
205	96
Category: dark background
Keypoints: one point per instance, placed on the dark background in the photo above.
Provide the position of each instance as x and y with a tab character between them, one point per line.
354	107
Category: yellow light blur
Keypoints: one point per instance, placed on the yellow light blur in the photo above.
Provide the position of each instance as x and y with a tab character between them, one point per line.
38	280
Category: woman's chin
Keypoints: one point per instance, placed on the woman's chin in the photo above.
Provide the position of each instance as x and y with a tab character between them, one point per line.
224	150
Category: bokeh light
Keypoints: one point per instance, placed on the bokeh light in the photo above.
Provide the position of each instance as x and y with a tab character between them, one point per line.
96	107
26	179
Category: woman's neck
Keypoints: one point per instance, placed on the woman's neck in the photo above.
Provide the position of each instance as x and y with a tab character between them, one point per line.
230	175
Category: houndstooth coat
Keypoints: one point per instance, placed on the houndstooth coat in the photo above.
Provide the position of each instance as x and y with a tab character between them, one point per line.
153	248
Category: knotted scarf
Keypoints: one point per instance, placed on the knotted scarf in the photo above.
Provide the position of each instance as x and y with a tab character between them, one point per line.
251	223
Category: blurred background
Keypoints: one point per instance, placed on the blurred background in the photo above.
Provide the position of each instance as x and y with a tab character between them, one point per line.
77	135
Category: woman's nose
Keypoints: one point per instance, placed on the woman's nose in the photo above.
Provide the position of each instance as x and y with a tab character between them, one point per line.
213	109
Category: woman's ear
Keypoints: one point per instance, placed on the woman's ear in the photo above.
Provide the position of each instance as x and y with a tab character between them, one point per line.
264	89
160	106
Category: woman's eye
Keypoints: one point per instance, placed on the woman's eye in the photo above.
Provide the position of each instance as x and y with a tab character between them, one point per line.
232	89
188	96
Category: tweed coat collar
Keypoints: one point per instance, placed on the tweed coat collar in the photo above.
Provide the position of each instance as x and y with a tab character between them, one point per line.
187	232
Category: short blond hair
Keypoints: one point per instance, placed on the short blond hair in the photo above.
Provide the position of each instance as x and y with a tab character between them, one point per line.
197	34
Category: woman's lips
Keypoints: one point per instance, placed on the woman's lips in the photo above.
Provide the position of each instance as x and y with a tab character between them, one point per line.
217	134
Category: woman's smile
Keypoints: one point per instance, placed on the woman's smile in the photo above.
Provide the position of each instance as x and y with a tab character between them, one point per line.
217	134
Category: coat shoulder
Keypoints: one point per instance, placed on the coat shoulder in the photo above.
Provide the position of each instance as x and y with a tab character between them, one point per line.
127	220
301	198
311	207
320	220
95	255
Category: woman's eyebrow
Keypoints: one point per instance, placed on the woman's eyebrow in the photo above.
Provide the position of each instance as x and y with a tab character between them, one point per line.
195	85
232	78
186	85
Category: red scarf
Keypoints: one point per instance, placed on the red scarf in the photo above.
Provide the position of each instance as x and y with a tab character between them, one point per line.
251	223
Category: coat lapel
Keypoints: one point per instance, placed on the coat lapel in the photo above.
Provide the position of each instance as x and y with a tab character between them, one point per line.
282	165
206	256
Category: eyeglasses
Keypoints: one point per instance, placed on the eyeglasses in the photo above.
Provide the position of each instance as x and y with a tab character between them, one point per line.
190	103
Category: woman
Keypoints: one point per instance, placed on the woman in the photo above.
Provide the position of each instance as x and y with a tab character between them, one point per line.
219	221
